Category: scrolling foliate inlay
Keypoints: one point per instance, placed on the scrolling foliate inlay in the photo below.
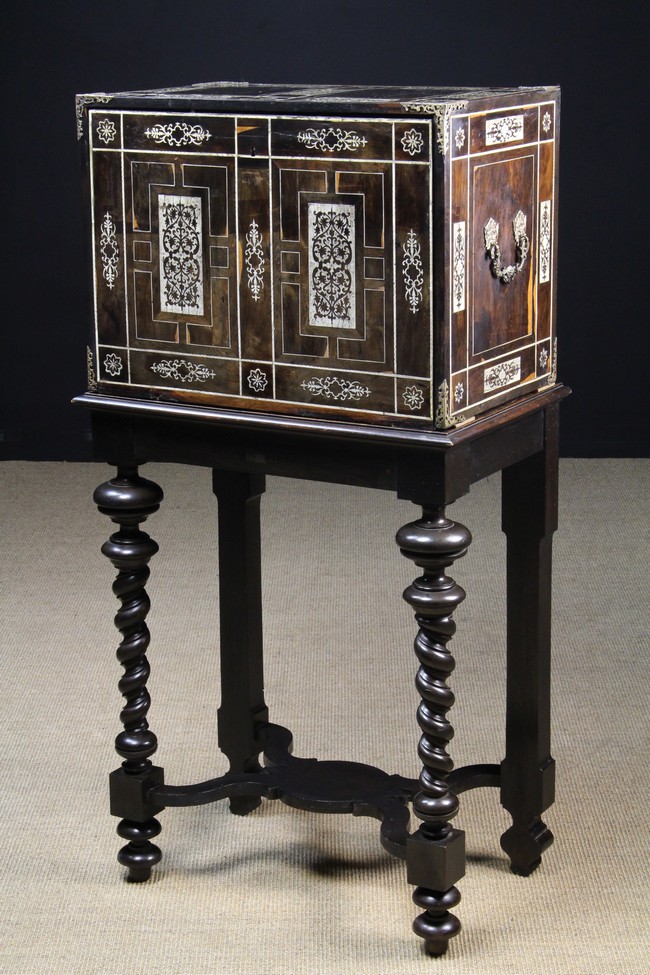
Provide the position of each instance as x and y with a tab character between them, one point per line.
178	134
254	257
331	139
544	241
509	128
182	370
109	250
331	387
413	271
458	267
503	374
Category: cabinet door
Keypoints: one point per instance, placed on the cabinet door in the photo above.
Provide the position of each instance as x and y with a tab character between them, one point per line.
502	297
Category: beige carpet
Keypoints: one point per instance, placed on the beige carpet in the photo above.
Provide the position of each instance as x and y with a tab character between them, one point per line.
284	891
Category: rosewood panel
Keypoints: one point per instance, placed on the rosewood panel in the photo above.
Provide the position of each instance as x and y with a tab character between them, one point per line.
501	313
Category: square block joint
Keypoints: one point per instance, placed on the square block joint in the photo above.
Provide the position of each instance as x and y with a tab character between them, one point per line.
437	865
128	794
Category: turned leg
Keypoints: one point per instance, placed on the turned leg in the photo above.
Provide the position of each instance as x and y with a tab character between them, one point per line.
529	497
435	853
240	598
128	500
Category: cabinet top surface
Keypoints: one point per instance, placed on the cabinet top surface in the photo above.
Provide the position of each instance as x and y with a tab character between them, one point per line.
242	96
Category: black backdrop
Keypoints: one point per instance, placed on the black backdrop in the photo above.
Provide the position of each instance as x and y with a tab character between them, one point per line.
597	53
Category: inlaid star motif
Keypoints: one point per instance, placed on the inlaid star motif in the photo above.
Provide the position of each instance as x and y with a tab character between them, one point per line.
413	397
412	142
106	130
257	380
113	364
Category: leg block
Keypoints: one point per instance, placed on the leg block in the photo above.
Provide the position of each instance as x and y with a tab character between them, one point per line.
129	793
436	864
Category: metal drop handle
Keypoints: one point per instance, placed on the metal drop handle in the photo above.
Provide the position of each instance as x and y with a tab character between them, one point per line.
522	246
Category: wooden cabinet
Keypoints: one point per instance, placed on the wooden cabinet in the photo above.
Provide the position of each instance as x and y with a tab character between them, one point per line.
383	255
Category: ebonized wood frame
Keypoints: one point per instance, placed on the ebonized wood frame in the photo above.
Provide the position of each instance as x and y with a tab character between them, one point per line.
430	469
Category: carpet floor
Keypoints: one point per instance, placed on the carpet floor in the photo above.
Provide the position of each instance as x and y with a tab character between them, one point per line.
283	892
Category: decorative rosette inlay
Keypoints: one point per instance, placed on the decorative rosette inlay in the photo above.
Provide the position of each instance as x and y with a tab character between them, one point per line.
413	397
257	380
106	130
113	364
412	142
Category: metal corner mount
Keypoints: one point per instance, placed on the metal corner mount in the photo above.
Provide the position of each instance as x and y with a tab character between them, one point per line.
90	365
553	375
441	111
99	98
444	419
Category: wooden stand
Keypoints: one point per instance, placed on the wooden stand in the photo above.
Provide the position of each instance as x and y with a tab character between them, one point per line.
431	469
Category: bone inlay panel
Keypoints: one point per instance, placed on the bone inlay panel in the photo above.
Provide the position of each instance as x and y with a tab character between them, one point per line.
332	283
181	254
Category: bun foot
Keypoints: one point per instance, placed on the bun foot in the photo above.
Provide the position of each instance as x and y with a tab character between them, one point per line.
139	855
436	925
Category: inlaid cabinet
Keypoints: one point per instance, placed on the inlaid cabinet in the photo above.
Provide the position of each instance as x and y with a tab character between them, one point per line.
387	255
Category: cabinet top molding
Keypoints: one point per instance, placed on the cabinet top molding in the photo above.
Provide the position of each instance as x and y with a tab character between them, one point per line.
345	99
